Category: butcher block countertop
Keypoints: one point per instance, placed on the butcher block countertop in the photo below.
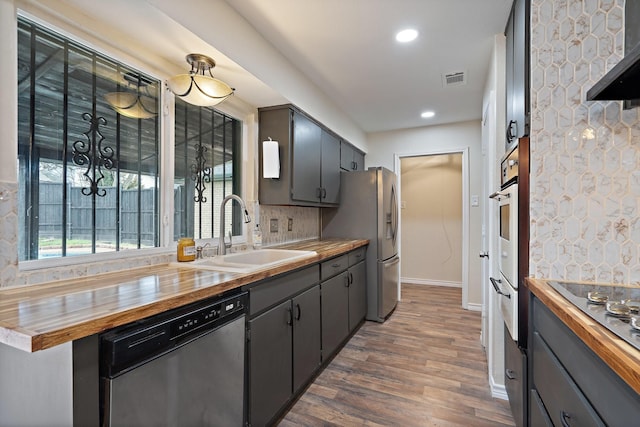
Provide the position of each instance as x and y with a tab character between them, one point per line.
41	316
621	356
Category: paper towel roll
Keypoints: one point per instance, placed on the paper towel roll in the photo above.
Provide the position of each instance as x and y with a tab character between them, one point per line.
270	159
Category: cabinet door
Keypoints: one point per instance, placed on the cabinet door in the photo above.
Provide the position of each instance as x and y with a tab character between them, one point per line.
509	64
307	148
520	51
346	156
306	336
330	181
358	160
357	294
335	313
270	348
515	381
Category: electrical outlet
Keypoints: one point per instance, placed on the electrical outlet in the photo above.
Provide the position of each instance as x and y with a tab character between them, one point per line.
273	225
290	224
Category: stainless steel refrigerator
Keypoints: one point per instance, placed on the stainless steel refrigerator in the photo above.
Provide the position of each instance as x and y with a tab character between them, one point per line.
369	209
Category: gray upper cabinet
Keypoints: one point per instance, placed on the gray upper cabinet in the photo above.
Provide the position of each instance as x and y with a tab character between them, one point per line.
517	73
351	159
309	159
307	149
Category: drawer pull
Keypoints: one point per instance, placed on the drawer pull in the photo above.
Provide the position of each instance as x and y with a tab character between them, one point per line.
565	417
336	265
510	374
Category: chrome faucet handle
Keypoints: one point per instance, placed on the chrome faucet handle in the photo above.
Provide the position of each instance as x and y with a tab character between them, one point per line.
228	245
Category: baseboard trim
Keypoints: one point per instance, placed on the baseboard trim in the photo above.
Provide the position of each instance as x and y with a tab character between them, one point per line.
474	307
430	282
498	391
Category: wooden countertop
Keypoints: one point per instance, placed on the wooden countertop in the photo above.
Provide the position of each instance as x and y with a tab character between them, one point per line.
37	317
621	356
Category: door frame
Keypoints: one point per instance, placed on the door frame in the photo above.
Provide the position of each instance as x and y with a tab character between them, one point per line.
465	212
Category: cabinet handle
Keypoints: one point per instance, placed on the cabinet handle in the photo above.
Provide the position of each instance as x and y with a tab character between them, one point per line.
565	417
298	312
335	265
510	374
346	280
289	316
510	135
495	282
319	193
324	193
354	166
350	278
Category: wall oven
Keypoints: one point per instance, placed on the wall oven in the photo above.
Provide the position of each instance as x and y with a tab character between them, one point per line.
507	284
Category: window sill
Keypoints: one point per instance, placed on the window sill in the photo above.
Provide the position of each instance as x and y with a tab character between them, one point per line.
25	266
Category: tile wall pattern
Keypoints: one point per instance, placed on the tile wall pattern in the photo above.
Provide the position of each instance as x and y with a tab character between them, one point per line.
306	224
585	156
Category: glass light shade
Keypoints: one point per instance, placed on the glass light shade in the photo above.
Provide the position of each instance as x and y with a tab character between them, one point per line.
131	105
198	89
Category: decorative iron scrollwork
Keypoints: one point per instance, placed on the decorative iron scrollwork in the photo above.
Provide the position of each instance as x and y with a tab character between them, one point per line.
200	173
94	155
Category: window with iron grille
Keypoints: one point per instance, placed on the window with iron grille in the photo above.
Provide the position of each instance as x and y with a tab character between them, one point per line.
207	169
88	144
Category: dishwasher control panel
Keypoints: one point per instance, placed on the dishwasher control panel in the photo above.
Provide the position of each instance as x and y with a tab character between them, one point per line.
124	347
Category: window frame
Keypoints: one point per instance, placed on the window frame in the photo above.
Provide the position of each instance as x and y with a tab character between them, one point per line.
236	109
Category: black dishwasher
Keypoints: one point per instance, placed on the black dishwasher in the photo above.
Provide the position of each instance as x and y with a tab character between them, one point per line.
184	367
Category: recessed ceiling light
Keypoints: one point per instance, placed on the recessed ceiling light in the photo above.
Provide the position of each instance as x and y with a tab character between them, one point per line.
407	35
427	114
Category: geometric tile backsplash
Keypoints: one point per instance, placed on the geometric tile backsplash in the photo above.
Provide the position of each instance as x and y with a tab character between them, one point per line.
585	156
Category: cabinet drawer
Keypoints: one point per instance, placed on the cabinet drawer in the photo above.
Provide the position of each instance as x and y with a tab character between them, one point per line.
564	401
356	256
271	291
539	417
334	266
615	400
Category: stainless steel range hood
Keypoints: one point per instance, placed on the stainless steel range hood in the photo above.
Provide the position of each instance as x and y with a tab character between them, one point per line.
622	83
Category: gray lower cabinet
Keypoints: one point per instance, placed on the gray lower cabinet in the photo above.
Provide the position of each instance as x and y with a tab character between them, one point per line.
569	384
283	341
515	364
344	298
335	312
357	294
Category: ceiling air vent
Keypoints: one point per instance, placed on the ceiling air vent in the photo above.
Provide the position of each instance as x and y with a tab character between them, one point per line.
454	79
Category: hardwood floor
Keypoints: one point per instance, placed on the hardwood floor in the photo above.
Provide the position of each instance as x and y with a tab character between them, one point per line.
423	367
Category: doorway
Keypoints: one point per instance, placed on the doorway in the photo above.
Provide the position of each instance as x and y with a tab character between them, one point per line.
434	219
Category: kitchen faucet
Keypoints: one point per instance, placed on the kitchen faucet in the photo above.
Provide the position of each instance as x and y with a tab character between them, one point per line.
222	248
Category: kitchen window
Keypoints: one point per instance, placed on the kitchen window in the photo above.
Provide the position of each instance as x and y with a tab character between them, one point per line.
88	144
207	169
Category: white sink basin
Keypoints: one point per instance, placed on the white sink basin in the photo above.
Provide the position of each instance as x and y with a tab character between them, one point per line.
247	262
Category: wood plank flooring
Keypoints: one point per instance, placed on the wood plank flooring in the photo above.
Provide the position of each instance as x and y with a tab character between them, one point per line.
424	366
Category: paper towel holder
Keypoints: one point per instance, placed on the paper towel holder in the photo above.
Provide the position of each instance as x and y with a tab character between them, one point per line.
270	159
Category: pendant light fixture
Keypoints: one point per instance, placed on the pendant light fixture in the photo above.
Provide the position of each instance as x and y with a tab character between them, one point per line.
198	88
137	105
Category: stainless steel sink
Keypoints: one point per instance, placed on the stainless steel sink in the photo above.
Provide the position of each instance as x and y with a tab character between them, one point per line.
247	262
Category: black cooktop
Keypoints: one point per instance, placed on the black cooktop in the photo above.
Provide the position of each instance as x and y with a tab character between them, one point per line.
578	294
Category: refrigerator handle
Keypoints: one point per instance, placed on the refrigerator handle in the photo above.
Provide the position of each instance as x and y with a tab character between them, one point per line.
394	214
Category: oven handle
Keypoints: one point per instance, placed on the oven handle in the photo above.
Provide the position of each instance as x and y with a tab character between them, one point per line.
499	196
495	282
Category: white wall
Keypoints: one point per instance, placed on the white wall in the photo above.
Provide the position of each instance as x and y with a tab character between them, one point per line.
433	139
431	211
493	148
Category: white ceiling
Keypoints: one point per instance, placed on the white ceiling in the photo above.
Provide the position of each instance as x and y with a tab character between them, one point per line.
346	47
